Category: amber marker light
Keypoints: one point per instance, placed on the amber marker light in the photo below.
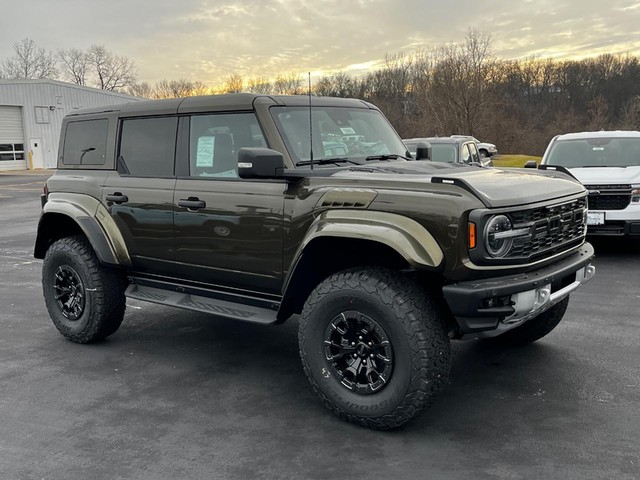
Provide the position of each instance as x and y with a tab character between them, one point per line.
472	235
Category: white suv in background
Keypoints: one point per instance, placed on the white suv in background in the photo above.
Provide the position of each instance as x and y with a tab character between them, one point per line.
608	165
485	149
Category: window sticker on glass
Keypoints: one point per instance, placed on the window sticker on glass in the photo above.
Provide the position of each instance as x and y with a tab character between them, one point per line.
204	156
347	131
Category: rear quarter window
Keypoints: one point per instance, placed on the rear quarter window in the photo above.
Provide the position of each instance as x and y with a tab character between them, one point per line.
85	142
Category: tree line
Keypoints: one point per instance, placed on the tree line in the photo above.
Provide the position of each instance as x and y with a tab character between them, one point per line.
449	89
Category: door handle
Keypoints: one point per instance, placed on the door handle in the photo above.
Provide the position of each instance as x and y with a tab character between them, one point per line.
192	203
117	197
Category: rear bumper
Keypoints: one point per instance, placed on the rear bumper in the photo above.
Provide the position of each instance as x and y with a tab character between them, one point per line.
503	303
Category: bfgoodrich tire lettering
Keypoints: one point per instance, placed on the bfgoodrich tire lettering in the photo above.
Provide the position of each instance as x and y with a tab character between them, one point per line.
405	316
85	300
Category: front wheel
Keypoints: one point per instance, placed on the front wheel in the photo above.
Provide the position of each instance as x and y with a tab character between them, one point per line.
85	300
374	347
534	329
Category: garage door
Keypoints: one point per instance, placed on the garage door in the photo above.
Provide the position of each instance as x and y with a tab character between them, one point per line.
12	154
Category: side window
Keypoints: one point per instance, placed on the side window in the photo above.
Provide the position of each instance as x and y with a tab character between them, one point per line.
466	155
475	156
148	146
214	141
85	142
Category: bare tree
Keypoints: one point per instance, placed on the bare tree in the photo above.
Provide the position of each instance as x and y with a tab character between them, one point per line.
288	84
177	89
233	84
75	64
260	85
459	84
112	72
29	62
142	90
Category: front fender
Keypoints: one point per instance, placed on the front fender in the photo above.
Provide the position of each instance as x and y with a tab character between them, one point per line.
404	235
92	218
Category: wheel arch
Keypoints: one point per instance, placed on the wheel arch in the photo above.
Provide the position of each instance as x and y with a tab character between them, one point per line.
343	239
74	214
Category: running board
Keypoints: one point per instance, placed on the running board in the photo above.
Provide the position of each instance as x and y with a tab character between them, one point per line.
221	308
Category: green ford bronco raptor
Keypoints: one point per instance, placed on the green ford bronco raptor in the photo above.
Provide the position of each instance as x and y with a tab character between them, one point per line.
258	208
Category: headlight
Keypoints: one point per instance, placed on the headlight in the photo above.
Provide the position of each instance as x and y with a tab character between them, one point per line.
635	193
499	234
498	244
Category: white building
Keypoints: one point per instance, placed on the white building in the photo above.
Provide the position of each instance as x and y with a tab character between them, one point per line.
31	113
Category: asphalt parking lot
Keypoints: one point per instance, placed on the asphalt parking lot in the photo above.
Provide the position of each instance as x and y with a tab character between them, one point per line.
180	395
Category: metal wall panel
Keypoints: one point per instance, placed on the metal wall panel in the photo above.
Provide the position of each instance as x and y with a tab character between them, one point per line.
59	99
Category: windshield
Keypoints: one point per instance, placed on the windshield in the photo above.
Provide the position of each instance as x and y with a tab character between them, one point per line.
595	152
347	134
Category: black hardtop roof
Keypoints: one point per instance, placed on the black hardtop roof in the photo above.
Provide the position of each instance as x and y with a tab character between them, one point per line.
226	102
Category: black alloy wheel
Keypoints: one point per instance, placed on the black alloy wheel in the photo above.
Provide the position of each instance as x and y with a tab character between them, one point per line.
359	352
69	292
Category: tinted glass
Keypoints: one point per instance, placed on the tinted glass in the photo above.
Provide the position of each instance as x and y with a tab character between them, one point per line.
444	152
85	142
352	133
216	139
596	152
148	145
466	155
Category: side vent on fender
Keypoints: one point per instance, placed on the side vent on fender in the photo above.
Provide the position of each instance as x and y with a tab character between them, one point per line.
347	198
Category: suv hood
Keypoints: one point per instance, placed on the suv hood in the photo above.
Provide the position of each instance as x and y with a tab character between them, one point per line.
605	175
494	186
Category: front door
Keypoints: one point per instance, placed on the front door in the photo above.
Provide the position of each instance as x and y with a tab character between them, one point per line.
232	234
228	231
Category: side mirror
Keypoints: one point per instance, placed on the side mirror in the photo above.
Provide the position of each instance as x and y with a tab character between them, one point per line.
531	164
260	163
423	151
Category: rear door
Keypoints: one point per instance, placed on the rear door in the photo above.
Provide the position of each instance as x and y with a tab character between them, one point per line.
139	195
228	231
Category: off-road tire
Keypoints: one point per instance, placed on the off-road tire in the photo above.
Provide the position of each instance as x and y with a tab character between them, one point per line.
103	290
535	328
415	329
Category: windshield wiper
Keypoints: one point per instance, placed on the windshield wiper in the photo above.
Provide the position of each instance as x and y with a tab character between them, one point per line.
325	161
390	156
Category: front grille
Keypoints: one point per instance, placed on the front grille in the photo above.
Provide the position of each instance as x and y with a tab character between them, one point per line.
609	197
551	228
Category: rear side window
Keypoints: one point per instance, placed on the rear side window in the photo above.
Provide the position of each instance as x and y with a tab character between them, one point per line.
148	147
85	142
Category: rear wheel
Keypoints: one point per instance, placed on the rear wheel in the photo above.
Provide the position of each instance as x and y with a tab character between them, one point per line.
85	300
535	328
373	347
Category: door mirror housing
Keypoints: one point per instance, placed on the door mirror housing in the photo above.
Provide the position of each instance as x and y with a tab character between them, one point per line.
423	151
531	164
260	163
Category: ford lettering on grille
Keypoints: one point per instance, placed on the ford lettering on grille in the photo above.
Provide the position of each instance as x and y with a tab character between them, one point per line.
550	228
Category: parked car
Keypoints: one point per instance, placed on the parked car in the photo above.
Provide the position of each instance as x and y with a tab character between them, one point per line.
450	150
181	202
485	149
608	165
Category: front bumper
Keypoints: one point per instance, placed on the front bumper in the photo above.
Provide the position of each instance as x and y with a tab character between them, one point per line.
499	304
615	228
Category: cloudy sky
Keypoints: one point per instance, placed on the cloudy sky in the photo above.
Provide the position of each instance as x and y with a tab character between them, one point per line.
209	40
